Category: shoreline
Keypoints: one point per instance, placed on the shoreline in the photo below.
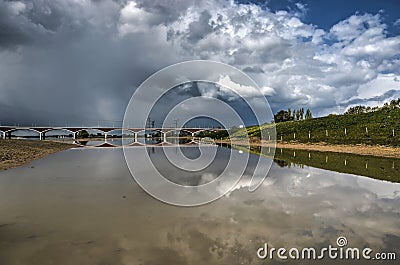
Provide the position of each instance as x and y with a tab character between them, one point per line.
365	150
15	152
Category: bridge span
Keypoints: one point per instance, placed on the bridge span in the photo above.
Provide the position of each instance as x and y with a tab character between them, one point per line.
7	130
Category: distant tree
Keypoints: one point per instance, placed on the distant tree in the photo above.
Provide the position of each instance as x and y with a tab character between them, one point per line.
282	116
298	115
356	110
395	103
83	134
308	114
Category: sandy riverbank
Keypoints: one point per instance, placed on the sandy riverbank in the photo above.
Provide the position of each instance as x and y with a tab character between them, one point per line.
372	150
15	153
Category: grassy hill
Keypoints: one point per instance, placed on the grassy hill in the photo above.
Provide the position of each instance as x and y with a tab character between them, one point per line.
370	128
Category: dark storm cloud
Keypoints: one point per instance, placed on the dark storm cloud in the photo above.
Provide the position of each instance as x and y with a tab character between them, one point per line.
170	10
64	63
199	29
254	69
74	62
15	28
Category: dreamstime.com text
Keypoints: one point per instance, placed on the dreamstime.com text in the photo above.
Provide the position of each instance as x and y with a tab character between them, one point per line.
341	251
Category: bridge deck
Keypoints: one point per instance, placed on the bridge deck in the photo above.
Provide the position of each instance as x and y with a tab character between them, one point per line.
43	130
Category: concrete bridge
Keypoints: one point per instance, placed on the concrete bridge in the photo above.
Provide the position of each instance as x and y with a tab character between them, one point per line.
7	130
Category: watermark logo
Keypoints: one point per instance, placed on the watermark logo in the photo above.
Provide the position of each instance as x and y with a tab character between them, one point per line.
340	251
218	85
341	241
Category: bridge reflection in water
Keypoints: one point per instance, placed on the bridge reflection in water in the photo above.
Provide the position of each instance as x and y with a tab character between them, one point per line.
126	142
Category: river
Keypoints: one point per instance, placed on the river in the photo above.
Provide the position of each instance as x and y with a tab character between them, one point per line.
82	206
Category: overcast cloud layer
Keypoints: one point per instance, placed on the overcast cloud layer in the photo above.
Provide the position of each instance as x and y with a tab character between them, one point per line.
80	61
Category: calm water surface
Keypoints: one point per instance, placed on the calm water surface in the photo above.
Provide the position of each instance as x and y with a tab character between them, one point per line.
81	206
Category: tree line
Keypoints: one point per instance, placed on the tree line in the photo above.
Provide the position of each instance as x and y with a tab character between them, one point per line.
295	115
299	114
395	103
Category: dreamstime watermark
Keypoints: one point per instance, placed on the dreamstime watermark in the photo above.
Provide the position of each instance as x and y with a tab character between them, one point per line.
340	251
216	81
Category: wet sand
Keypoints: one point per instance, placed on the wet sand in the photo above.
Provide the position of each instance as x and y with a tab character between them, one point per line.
371	150
14	153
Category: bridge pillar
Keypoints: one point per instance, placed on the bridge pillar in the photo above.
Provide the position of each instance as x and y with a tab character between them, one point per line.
164	135
135	136
74	135
41	135
3	135
105	136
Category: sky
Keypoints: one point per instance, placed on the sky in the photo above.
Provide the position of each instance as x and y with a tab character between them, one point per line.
73	62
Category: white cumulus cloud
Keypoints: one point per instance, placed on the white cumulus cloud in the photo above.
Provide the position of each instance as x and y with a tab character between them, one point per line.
109	48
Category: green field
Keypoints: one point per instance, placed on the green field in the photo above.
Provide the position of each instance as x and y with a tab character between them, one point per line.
381	127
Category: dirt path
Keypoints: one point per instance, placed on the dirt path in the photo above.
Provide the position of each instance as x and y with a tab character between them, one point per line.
375	150
15	153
